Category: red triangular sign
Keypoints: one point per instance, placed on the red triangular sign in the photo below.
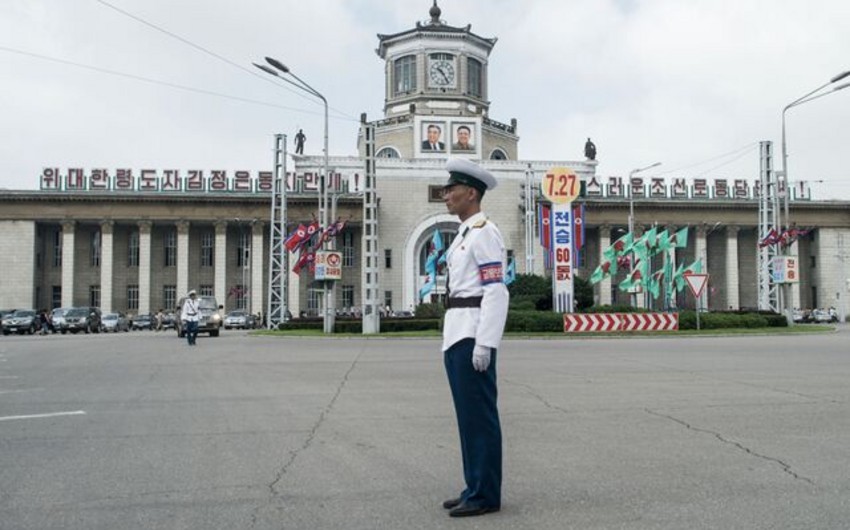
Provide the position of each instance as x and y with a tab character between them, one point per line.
696	282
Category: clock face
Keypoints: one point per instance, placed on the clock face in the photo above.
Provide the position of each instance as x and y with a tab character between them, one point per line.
442	73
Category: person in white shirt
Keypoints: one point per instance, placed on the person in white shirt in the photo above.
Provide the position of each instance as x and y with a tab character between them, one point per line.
477	308
190	314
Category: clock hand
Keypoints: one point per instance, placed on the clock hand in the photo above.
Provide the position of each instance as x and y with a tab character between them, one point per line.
442	73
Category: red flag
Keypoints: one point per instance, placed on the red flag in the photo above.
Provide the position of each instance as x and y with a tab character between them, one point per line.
545	226
305	259
578	224
311	231
770	239
295	237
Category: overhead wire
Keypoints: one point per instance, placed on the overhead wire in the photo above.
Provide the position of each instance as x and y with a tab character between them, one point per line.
743	154
214	54
157	81
745	149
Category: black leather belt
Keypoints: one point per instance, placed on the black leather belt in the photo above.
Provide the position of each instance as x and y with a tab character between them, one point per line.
472	301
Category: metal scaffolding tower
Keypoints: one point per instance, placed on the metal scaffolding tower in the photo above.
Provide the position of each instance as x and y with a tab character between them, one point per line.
369	281
769	219
278	257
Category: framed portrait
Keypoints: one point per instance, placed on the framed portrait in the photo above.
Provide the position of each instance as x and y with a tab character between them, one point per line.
433	137
463	137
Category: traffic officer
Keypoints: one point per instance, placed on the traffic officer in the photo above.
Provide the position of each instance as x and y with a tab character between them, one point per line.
190	314
477	307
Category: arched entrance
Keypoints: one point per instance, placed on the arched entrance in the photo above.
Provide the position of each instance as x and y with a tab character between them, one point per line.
416	251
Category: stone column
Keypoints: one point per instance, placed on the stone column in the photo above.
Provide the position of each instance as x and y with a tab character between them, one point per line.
701	254
257	260
294	291
221	262
68	239
183	258
145	267
605	284
732	266
107	229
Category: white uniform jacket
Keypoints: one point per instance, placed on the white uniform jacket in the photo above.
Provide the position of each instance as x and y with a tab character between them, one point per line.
191	310
476	267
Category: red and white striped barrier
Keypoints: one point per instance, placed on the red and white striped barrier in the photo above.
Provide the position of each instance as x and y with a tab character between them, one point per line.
591	322
650	322
601	322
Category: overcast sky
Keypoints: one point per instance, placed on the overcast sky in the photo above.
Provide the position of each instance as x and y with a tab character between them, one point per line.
694	84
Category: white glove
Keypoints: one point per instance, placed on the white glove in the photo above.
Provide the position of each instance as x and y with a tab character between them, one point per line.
481	358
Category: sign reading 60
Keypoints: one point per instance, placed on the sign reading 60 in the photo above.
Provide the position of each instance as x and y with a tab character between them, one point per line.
561	185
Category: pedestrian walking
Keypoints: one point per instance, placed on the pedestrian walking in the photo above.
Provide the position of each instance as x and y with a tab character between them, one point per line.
190	315
477	307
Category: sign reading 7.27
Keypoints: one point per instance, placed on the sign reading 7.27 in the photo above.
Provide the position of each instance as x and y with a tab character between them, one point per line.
561	185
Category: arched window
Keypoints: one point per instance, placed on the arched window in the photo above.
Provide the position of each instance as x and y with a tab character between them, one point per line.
498	154
388	152
404	74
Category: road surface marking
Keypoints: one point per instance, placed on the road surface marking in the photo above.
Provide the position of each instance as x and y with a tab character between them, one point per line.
49	415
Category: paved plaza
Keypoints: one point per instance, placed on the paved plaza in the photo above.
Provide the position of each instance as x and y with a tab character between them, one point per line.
242	432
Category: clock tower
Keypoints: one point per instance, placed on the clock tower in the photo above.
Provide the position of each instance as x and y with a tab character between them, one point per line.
436	102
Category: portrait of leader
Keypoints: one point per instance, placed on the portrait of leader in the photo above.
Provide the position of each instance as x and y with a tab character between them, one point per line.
463	139
433	132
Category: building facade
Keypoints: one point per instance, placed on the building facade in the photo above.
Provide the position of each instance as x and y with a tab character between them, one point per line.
137	241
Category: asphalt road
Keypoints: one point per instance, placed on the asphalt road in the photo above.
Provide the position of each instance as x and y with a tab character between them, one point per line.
140	431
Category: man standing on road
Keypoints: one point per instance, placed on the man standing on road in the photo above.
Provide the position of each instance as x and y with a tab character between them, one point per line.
190	314
477	307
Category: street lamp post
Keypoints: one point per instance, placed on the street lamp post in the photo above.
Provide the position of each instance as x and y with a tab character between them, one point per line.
280	68
811	96
632	173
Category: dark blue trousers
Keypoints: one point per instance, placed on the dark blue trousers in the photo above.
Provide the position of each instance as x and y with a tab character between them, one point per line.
191	331
475	395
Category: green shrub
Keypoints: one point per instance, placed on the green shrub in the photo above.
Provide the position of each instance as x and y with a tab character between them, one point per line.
688	320
534	321
430	311
523	303
615	309
409	324
776	321
356	325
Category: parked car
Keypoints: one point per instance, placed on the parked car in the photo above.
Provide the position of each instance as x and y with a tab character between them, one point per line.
57	316
144	321
822	316
86	319
115	322
210	321
169	321
4	312
240	320
21	321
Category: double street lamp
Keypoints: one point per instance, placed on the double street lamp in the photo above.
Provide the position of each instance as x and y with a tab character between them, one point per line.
281	71
811	96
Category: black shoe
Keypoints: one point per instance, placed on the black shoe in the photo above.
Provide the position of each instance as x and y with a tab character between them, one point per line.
452	503
465	510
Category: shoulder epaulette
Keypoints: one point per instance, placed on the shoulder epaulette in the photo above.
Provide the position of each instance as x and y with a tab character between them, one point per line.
480	224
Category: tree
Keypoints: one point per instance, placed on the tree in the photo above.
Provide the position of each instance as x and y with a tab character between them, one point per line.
582	293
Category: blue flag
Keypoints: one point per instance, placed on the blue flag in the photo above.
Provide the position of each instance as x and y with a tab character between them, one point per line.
434	254
510	274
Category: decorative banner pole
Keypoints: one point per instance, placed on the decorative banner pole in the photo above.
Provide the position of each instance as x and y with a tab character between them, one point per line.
561	186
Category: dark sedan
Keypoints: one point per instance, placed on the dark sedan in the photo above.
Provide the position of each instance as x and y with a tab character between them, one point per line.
143	322
21	321
85	319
